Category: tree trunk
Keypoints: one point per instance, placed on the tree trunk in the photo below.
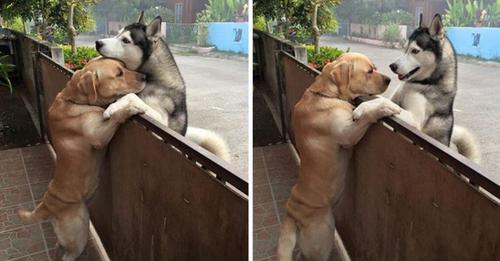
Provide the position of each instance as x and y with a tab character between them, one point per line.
315	28
24	26
71	27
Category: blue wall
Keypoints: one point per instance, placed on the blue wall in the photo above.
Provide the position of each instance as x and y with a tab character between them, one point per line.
232	37
483	42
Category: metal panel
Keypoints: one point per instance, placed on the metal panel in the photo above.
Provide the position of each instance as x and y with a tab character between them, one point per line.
297	79
53	79
165	207
401	203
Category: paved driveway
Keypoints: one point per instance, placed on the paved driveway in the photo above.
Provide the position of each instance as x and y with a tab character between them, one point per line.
476	104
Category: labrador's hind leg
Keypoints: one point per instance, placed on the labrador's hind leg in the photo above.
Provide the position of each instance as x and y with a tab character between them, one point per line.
317	239
72	232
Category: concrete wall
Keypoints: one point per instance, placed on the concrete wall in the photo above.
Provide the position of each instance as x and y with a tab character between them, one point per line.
374	31
479	42
231	37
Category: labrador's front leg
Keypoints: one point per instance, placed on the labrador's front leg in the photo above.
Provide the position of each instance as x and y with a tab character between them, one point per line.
100	131
131	100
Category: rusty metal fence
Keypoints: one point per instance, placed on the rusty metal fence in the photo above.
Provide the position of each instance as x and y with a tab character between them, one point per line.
161	199
408	197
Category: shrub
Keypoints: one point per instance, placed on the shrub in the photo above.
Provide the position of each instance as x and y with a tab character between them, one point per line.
78	60
392	35
326	55
259	23
459	13
400	17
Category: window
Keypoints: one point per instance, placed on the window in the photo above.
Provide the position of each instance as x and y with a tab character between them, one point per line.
178	12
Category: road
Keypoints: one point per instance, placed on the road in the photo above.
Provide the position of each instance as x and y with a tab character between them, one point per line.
217	98
476	104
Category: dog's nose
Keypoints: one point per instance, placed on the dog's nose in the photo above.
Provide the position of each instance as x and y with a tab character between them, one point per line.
387	80
141	77
394	67
98	44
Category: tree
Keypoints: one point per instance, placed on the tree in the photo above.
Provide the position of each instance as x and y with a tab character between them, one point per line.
50	16
297	14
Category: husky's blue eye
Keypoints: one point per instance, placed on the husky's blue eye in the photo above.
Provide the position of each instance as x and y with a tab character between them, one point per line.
415	51
125	40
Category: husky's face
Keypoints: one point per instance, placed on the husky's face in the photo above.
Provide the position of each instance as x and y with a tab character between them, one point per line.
133	45
422	53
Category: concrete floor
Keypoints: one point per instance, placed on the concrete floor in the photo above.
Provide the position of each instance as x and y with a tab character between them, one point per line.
476	103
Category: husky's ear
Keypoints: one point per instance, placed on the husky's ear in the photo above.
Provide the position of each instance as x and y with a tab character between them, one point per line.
154	28
141	18
436	28
421	17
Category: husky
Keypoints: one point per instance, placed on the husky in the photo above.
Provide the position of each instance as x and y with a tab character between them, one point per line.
141	48
428	69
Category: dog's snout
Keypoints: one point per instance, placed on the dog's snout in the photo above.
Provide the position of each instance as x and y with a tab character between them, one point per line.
394	67
98	44
141	77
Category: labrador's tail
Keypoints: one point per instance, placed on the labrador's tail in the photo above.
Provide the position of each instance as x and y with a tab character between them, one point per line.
40	213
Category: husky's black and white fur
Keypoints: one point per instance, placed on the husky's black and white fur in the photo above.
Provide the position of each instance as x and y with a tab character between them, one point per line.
429	71
141	48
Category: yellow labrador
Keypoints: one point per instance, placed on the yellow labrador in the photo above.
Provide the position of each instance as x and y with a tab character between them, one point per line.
80	135
325	127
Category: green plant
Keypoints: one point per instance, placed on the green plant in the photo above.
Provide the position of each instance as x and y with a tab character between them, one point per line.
259	23
182	33
224	10
202	19
15	24
78	60
459	13
392	35
400	17
493	17
5	69
326	55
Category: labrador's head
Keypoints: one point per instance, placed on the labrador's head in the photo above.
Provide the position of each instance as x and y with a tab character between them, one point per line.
355	75
102	81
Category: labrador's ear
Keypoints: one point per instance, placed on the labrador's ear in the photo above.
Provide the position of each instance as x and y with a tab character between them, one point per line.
95	59
154	28
87	85
436	28
340	73
141	18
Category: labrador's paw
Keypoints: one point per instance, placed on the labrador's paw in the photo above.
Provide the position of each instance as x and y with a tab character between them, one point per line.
360	111
114	108
124	102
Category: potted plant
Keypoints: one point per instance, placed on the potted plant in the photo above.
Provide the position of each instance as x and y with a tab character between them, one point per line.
202	45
